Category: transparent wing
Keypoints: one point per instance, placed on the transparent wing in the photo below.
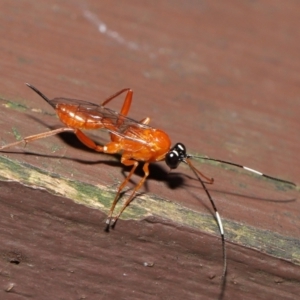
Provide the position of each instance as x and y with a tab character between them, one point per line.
124	127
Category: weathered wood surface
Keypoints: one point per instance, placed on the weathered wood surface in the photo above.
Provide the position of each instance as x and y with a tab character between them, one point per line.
223	79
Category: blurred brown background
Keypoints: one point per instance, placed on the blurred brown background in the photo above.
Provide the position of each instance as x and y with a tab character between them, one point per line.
222	78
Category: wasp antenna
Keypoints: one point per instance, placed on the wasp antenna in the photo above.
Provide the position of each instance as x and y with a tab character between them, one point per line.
218	218
246	168
39	93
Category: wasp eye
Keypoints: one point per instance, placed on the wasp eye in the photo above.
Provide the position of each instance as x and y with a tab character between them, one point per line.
172	159
180	148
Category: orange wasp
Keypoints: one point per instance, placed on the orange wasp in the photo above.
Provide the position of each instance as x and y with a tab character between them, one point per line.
136	141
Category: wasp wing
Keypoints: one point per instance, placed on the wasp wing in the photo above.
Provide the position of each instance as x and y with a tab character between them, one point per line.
123	125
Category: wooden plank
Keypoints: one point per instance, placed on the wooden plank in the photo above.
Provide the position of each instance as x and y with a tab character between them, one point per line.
222	79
